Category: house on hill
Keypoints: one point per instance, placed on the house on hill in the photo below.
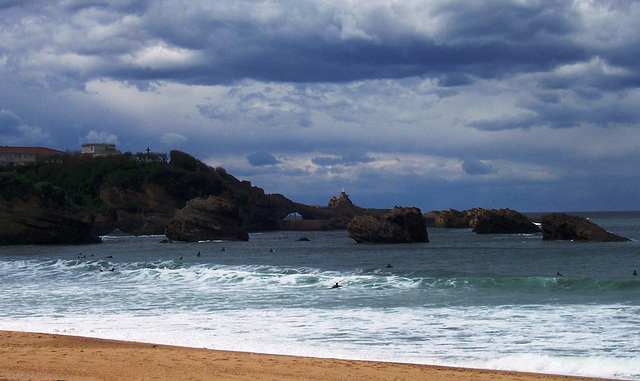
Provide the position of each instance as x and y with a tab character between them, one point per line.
16	156
100	149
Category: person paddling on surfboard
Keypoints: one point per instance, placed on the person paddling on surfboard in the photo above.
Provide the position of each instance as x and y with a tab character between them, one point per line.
336	285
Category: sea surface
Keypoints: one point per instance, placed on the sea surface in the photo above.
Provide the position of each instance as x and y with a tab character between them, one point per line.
481	301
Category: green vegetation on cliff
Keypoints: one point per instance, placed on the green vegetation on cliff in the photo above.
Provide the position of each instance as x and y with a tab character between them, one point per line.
82	177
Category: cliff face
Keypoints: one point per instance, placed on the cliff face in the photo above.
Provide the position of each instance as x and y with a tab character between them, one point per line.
40	214
205	219
148	207
258	210
144	211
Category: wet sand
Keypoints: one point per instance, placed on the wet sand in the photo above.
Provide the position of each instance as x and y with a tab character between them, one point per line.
36	356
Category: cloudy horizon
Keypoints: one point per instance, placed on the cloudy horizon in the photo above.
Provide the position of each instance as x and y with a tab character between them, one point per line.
530	105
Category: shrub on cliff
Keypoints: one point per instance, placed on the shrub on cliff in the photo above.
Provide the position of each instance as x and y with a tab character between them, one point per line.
184	161
51	195
12	186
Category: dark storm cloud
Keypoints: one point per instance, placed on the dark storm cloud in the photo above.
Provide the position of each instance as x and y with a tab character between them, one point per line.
505	123
345	160
9	123
476	167
579	109
5	4
303	41
259	159
487	20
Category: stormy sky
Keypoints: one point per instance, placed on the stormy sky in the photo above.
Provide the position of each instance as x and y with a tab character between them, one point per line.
531	105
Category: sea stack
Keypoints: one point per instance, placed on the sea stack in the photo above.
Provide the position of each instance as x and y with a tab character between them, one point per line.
399	225
560	226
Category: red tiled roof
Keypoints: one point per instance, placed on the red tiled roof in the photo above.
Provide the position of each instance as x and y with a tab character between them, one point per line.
29	150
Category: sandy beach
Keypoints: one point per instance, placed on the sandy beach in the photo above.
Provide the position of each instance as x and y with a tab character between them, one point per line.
36	356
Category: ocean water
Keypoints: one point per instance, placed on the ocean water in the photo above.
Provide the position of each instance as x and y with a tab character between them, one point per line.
482	301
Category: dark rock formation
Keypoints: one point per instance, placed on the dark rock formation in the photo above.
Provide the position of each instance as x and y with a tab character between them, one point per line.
400	225
335	216
142	197
204	219
483	221
560	226
503	221
258	211
141	211
450	219
40	214
343	206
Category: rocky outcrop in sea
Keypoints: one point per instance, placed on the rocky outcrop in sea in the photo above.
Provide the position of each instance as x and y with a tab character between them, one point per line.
560	226
400	225
483	221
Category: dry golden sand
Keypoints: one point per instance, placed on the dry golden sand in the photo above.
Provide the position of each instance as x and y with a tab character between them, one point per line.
35	356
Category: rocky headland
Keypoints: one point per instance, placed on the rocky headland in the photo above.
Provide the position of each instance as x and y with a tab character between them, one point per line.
75	201
41	214
143	198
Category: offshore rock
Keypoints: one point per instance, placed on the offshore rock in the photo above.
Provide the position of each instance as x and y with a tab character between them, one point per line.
204	219
483	221
450	219
335	216
400	225
41	214
502	221
560	226
344	206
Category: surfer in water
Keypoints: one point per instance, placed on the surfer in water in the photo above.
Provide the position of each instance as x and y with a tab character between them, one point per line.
336	285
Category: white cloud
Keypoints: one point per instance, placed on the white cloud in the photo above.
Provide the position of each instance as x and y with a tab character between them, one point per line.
160	57
99	137
173	139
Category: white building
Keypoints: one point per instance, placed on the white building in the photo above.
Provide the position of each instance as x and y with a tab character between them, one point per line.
100	149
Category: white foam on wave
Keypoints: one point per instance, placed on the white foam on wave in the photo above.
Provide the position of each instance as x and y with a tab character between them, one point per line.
289	311
597	366
531	339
